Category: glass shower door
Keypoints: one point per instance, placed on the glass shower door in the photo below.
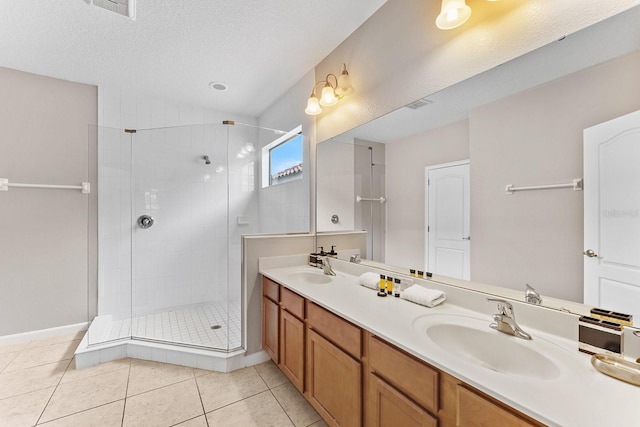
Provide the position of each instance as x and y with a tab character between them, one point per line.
180	237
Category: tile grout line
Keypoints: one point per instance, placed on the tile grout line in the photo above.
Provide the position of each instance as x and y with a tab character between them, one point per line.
4	370
54	392
32	391
157	388
126	391
240	400
14	358
204	412
282	407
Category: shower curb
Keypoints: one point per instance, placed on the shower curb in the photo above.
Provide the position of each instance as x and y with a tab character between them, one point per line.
211	360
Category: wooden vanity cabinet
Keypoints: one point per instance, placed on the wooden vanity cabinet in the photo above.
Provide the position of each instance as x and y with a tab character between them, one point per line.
292	333
271	319
283	330
334	369
353	378
402	387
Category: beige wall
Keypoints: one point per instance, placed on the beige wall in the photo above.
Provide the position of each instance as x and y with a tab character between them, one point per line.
398	55
254	247
48	238
532	138
406	161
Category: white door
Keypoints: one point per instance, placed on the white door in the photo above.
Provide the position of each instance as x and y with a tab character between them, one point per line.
612	215
448	220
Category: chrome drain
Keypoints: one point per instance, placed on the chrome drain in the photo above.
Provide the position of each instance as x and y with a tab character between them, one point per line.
216	327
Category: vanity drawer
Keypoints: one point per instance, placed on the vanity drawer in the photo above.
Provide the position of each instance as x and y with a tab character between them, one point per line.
409	375
475	410
292	302
270	289
335	329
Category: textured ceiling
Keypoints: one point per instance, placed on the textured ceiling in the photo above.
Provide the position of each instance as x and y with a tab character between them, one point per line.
173	49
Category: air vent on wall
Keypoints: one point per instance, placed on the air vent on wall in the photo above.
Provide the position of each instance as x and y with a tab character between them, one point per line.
419	103
121	7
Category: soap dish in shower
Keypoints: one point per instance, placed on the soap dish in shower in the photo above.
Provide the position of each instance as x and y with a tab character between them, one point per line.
617	367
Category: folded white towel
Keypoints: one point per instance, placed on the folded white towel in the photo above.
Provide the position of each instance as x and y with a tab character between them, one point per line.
370	280
423	296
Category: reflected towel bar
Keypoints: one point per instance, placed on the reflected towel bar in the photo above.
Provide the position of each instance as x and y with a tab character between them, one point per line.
5	184
363	199
576	184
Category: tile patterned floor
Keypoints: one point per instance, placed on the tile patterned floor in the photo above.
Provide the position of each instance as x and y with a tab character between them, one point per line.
40	385
185	325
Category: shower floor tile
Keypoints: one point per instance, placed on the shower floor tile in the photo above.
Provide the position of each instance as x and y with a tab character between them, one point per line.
190	325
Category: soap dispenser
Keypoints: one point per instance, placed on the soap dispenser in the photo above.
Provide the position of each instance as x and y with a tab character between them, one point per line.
333	252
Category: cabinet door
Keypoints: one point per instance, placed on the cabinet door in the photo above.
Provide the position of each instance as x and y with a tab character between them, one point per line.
390	408
334	382
292	348
270	341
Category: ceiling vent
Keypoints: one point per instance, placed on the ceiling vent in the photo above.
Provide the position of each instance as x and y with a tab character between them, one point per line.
121	7
419	103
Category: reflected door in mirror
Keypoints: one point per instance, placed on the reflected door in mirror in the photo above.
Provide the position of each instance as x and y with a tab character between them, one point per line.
448	220
612	214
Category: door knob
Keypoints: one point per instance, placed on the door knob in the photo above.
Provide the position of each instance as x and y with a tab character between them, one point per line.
590	253
466	238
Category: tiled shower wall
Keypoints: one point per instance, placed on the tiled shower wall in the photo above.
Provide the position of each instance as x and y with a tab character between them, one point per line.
284	208
187	257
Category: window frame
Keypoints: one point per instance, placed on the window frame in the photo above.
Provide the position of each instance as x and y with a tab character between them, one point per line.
266	155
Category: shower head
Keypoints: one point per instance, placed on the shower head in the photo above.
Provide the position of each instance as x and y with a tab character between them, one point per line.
206	160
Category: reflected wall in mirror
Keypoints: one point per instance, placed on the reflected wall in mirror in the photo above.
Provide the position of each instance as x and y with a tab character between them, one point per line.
350	191
522	124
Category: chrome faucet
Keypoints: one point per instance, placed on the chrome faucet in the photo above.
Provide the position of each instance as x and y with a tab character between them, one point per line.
355	258
326	266
505	320
532	296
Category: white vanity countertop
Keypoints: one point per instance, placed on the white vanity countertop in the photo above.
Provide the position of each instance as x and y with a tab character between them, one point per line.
579	396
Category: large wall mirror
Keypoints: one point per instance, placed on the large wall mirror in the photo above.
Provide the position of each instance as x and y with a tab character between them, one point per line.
519	124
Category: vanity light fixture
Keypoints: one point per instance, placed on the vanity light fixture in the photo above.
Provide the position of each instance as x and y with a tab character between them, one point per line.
331	92
453	14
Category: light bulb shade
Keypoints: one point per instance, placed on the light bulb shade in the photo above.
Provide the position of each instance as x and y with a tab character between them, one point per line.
453	14
345	88
328	96
313	107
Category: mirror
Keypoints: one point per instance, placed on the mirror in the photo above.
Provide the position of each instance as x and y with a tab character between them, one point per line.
521	124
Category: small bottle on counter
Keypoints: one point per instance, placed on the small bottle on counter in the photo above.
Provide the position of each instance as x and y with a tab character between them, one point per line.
412	273
420	274
396	288
389	285
383	285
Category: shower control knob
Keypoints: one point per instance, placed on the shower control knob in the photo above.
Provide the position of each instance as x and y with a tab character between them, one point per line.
145	221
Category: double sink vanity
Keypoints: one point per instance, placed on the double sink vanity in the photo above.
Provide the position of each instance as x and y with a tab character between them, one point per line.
363	360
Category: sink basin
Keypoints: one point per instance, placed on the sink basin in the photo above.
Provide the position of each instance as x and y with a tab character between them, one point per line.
471	339
309	277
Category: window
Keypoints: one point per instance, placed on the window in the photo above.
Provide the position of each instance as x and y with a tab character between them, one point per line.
282	159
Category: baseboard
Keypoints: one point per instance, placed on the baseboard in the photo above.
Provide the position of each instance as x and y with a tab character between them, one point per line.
44	333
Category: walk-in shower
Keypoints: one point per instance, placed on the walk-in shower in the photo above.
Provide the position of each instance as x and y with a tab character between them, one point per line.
170	225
